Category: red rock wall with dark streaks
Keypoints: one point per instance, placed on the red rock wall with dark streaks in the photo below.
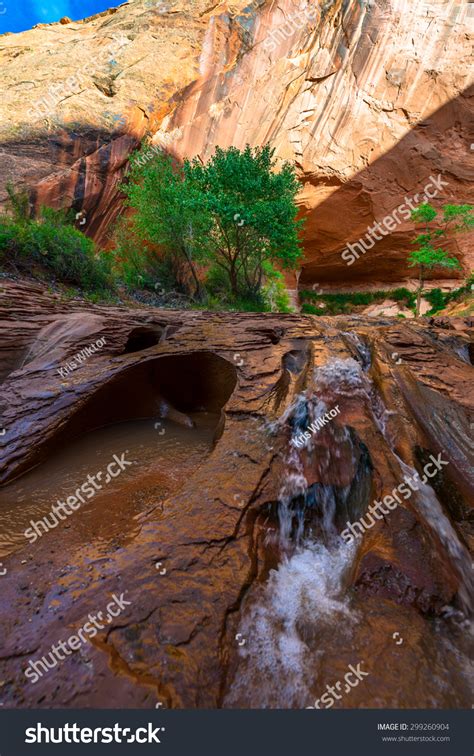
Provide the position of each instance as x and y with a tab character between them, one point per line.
368	100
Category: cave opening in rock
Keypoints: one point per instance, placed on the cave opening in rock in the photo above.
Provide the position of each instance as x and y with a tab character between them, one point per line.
162	415
140	339
196	382
169	386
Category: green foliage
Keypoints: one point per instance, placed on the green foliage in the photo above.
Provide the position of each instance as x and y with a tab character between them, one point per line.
403	295
439	299
217	283
425	213
210	302
18	204
136	264
253	213
50	244
103	296
337	304
464	214
169	213
309	309
274	293
363	298
229	219
241	304
68	293
436	299
428	256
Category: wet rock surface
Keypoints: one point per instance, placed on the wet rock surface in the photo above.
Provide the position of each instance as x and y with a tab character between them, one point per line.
404	392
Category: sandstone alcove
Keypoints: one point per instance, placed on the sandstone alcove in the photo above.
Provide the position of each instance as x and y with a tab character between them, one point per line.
162	415
140	339
195	382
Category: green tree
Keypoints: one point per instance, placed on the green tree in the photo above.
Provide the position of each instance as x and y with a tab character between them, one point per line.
170	212
428	255
236	214
18	204
253	214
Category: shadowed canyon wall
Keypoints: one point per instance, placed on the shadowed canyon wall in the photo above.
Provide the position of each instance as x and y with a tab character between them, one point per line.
367	99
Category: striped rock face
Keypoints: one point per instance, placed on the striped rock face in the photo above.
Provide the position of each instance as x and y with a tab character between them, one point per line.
368	100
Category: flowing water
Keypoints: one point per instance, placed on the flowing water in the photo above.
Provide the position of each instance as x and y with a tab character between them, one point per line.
297	623
287	625
307	594
301	622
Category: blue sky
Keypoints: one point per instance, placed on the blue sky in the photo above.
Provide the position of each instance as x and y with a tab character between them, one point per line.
18	15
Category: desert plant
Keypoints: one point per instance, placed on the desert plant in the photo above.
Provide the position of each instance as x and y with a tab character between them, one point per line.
428	256
51	244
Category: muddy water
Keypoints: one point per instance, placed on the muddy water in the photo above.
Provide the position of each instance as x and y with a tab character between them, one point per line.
163	454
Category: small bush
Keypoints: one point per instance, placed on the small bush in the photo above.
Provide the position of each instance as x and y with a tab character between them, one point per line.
138	266
305	294
308	309
439	299
216	283
436	299
53	245
403	295
274	294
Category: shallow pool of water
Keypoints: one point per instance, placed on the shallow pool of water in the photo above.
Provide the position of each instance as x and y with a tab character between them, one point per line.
163	453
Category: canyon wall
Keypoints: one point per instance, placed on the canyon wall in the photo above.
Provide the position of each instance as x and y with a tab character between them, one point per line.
367	99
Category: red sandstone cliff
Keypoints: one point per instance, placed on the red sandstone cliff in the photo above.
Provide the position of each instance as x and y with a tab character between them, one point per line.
368	102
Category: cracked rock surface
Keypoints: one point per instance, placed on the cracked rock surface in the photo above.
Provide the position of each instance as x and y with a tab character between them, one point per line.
175	643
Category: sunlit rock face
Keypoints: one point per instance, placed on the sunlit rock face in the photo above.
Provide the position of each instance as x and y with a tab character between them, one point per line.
369	100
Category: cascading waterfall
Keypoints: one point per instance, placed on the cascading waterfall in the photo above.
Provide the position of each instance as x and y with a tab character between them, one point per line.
296	497
304	597
287	621
308	590
426	501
